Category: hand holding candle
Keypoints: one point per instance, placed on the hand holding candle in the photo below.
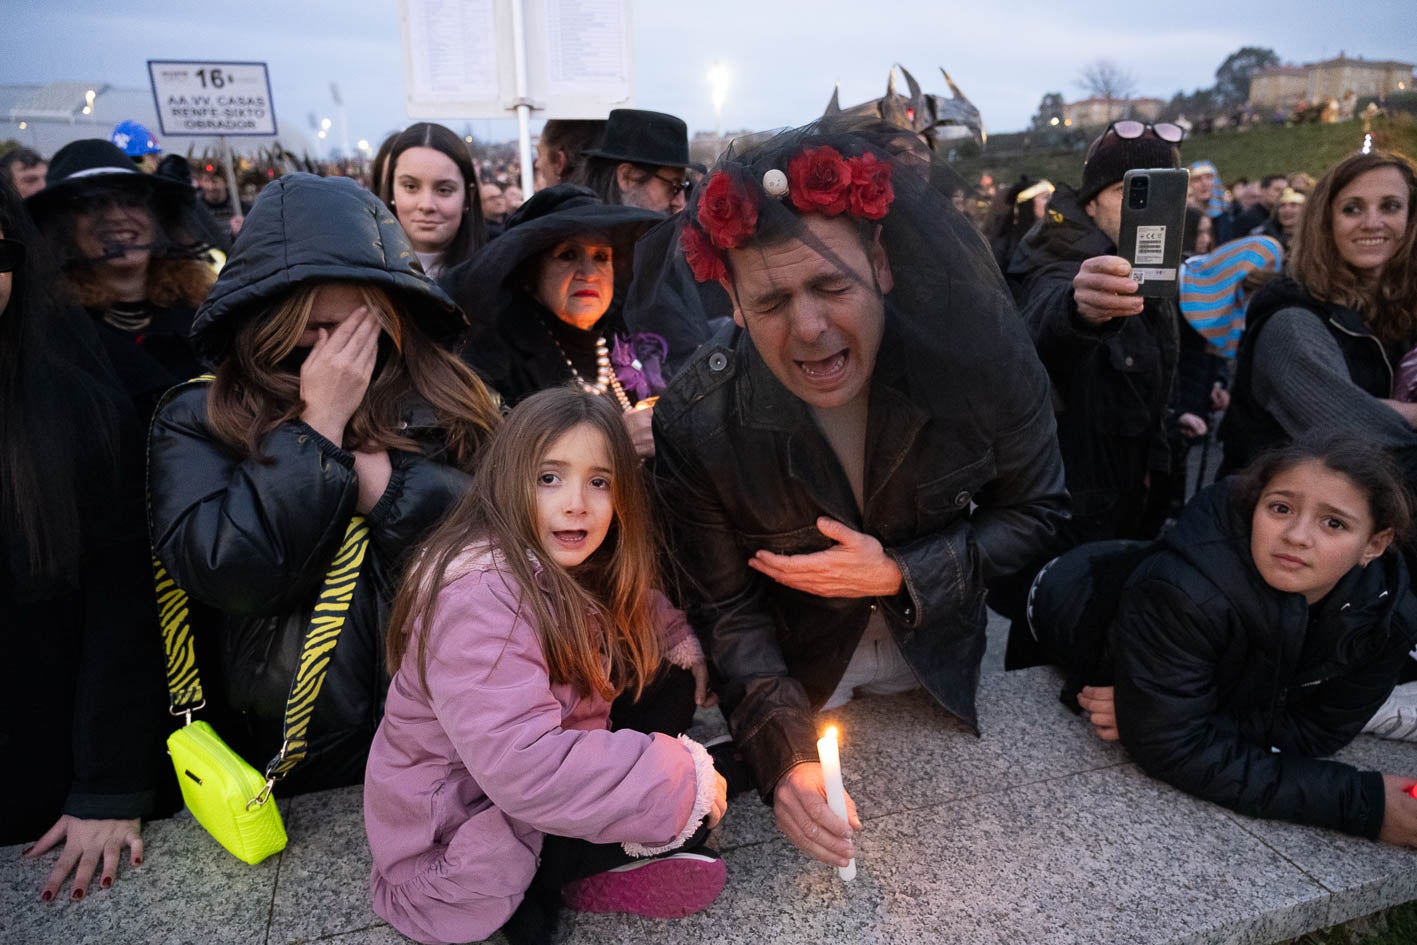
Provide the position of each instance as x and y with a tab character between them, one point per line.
836	791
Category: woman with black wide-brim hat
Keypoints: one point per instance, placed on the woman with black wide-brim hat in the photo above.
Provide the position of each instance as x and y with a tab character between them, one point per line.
131	255
544	300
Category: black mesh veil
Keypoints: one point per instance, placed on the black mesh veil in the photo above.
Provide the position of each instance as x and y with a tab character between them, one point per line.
946	280
177	231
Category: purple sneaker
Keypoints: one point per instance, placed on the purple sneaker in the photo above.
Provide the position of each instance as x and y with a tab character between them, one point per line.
665	887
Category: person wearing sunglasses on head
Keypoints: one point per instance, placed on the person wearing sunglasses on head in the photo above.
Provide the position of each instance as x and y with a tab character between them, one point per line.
643	161
1110	354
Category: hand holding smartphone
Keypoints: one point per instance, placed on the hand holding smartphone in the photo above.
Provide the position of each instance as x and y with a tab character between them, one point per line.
1153	221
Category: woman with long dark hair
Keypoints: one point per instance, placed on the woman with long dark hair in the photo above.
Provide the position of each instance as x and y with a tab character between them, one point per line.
1320	345
428	180
131	254
81	715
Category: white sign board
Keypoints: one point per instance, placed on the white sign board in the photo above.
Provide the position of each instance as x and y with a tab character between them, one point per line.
459	57
212	98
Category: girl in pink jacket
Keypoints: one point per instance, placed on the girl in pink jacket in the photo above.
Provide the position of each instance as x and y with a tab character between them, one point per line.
496	788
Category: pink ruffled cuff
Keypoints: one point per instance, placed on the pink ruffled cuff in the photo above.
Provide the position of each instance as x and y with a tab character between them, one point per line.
687	653
706	778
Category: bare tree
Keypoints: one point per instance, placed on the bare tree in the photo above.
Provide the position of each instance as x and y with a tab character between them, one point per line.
1104	79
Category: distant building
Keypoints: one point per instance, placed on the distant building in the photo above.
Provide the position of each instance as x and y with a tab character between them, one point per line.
1285	86
1279	86
1095	112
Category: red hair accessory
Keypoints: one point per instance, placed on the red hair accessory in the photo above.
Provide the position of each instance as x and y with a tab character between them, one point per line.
819	180
699	253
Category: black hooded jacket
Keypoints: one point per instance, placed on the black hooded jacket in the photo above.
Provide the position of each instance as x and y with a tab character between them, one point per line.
1233	691
251	539
1111	383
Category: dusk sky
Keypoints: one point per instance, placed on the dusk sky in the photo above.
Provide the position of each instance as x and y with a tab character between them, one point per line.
784	56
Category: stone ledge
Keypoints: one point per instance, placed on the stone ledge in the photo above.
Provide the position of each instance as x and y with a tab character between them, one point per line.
1036	833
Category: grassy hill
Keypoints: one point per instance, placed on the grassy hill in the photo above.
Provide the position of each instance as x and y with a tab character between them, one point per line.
1250	153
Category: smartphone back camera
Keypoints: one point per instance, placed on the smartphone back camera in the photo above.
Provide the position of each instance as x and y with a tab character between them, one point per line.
1137	192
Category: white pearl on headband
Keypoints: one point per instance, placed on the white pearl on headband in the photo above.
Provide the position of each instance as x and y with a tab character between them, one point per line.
775	183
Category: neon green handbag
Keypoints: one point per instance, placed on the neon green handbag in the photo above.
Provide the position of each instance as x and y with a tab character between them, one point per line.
227	796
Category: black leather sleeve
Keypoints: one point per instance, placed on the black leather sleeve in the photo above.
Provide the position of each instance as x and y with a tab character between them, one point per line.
767	710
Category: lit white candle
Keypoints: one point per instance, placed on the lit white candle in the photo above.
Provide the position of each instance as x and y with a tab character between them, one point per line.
836	793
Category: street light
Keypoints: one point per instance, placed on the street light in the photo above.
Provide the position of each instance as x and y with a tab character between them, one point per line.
325	124
719	76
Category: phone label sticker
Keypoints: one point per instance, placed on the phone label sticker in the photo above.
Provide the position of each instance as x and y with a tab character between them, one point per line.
1151	245
1153	275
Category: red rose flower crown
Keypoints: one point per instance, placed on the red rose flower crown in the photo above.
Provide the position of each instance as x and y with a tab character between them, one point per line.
818	180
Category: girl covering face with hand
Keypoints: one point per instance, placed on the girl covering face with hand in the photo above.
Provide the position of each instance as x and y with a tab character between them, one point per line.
331	397
525	614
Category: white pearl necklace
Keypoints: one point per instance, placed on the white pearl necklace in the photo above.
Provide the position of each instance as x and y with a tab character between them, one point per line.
605	379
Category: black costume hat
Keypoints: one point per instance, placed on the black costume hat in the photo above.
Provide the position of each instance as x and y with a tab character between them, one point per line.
548	217
81	167
644	137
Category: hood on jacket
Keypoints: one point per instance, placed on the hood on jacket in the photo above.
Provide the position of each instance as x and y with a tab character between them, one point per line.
305	230
1213	536
1066	233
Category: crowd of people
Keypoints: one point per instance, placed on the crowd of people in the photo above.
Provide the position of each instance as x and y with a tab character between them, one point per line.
768	436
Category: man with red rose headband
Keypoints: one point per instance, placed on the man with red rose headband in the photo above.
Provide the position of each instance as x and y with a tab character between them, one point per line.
844	466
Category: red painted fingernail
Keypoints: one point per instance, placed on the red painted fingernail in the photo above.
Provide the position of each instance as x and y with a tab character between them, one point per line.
26	850
78	894
46	895
137	861
106	882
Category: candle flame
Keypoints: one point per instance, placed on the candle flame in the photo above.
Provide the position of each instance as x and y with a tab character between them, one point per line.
831	732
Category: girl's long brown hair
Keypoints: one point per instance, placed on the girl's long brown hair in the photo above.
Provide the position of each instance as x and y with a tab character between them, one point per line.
256	390
598	614
1389	302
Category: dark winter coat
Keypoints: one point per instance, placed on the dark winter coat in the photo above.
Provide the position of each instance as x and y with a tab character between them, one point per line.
962	482
1112	382
1249	428
251	539
1215	670
82	709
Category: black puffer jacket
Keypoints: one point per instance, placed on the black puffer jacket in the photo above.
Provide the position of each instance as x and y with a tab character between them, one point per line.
1111	383
1215	669
250	540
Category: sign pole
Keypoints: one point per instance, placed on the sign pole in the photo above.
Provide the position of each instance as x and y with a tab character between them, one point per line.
523	103
232	193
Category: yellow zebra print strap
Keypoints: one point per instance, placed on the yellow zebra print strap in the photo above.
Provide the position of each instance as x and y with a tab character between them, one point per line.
326	622
184	687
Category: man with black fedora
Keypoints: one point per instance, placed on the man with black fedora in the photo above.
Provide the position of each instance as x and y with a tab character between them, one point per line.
643	161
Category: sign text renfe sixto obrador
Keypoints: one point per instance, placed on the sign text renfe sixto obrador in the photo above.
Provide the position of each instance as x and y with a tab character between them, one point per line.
212	98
